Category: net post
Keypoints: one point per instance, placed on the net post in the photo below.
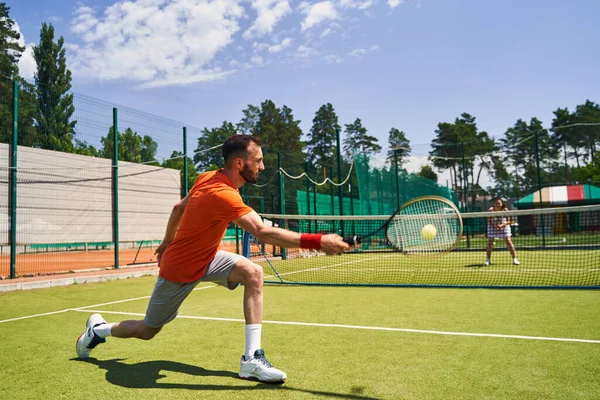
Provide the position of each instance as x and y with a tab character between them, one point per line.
185	164
13	181
115	186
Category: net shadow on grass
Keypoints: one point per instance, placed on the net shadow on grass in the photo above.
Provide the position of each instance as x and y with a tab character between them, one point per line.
146	375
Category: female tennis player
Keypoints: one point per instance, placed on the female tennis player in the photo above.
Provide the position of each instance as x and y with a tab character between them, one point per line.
499	228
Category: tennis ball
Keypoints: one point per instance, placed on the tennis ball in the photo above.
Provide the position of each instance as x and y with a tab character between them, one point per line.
428	232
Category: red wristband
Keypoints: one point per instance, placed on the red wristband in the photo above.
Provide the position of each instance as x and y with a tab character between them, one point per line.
310	241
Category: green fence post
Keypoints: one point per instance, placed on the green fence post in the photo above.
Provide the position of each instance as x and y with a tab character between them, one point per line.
539	179
13	181
340	179
465	183
185	163
281	201
307	188
351	189
332	193
307	193
315	203
396	174
115	185
379	192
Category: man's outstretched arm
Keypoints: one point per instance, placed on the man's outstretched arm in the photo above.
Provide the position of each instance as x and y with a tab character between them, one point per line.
251	222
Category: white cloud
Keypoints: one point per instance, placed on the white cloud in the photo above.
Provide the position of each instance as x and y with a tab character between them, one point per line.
305	52
332	59
269	13
357	52
154	42
277	48
259	46
359	4
257	60
333	28
361	52
27	64
317	13
394	3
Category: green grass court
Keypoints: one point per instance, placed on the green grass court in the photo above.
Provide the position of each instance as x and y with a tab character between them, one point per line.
333	342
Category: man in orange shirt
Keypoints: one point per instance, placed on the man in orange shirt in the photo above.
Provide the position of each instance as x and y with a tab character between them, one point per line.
189	254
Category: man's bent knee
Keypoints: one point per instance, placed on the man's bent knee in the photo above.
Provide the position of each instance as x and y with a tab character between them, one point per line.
247	273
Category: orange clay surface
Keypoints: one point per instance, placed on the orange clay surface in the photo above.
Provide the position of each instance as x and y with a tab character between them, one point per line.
48	263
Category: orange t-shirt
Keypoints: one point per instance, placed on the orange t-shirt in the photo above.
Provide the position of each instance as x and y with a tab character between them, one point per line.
212	205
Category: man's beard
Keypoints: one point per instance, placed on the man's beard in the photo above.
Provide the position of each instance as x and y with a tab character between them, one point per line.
248	176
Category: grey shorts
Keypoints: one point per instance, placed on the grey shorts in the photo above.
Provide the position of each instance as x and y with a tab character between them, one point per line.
168	296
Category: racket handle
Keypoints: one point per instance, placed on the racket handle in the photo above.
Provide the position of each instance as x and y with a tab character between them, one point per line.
353	240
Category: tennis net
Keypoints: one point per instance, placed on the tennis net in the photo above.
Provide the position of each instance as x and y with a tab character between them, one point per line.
557	247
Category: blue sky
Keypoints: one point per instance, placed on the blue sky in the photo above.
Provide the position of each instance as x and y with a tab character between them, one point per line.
408	64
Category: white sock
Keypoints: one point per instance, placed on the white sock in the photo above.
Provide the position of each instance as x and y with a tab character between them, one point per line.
103	330
253	334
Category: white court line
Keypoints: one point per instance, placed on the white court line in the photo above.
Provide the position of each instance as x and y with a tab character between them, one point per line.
36	315
321	267
85	307
373	328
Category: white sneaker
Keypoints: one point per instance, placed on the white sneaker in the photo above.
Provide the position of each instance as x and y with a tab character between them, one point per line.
88	340
516	262
487	262
258	367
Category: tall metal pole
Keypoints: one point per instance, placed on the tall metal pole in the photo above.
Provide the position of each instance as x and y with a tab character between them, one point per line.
13	181
115	186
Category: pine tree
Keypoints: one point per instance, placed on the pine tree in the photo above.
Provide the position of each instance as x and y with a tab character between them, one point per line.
10	51
358	140
321	145
132	147
205	159
55	125
427	172
248	124
397	140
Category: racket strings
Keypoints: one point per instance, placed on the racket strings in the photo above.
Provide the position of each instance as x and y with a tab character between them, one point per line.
406	232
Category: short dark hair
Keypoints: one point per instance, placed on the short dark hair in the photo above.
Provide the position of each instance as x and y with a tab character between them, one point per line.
236	145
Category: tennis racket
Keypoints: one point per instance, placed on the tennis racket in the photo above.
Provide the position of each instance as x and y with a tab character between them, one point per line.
423	226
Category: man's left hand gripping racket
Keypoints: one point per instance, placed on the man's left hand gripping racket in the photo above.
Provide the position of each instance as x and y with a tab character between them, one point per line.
423	226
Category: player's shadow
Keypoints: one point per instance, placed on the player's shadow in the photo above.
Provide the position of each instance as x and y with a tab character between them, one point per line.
146	375
479	265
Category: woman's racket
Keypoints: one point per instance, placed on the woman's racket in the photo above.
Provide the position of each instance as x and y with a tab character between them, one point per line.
423	226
